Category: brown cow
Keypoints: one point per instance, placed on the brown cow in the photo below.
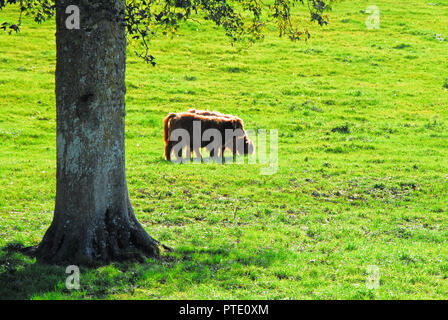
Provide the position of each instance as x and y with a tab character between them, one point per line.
224	125
212	113
228	116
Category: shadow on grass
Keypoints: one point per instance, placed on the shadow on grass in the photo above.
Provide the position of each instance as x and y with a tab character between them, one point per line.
22	278
203	160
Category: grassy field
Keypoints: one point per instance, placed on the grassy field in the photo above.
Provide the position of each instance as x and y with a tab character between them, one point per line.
362	176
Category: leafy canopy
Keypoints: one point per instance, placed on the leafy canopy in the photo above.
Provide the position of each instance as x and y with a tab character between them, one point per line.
242	20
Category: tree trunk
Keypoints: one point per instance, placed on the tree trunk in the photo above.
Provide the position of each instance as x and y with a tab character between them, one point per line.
93	219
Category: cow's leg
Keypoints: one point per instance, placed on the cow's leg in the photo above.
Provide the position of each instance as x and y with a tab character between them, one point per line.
223	148
168	149
234	149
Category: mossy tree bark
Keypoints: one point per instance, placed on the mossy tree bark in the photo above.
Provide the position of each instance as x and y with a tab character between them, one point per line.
93	219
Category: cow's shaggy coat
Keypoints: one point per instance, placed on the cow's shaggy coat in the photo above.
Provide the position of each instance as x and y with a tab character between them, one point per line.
238	141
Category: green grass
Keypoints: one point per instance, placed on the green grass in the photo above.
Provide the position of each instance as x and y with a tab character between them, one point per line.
362	177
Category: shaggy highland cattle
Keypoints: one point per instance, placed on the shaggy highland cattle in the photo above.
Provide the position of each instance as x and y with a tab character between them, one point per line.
214	114
212	130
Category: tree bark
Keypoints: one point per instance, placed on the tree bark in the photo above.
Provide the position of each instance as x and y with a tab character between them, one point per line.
93	219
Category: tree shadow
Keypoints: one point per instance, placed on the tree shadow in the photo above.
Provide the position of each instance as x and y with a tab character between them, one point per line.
22	278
